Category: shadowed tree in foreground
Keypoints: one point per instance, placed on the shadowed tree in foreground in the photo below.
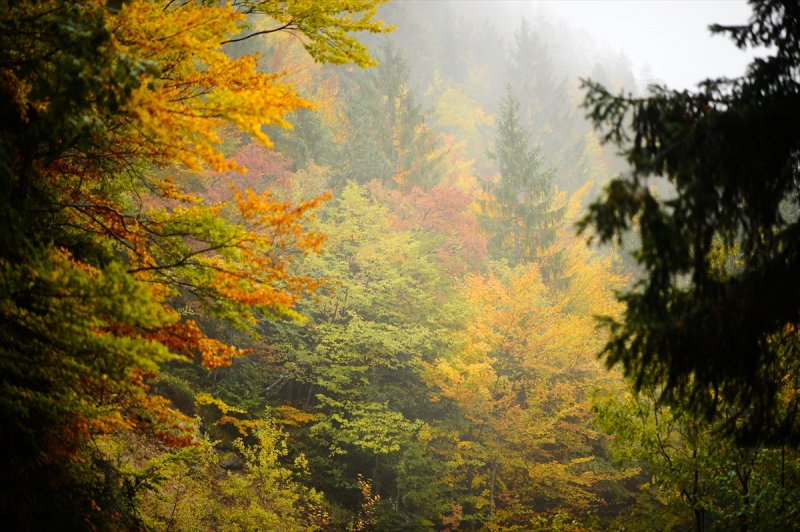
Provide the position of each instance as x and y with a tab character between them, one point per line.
716	336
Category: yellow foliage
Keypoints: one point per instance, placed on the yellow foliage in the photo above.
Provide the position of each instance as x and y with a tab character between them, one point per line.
193	87
204	398
293	417
575	202
522	374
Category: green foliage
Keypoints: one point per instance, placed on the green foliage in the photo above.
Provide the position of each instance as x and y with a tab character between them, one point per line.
66	377
697	479
356	362
369	427
373	325
250	488
309	140
730	152
62	56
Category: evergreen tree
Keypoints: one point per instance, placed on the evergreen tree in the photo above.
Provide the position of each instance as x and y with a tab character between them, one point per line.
310	139
714	333
519	217
546	108
387	136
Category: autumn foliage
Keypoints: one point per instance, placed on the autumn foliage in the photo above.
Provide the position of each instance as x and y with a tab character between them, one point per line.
111	265
245	288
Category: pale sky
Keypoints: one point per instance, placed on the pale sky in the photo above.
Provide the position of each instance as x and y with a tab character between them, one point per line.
671	37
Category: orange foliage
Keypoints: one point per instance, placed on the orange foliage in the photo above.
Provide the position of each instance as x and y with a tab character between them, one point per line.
442	212
233	253
121	194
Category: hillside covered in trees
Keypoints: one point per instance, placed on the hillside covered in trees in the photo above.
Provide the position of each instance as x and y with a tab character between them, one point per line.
323	265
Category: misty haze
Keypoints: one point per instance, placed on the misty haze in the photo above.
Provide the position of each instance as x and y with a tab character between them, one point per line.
354	265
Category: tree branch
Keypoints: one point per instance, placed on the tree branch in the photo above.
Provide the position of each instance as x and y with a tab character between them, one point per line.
288	25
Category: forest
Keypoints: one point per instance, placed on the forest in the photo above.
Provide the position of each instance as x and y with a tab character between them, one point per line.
357	265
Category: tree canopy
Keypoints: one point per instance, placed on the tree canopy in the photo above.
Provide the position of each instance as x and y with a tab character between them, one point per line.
521	218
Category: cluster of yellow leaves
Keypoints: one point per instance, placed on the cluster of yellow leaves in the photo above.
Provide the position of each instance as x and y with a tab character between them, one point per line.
193	87
324	26
522	375
243	424
290	416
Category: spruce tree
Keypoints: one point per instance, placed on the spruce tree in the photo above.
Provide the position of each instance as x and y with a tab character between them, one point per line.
716	336
519	213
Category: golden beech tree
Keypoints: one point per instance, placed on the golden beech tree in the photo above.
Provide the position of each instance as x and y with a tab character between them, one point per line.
104	106
522	376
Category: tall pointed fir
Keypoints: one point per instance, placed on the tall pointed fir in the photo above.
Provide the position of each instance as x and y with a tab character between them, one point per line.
547	110
519	214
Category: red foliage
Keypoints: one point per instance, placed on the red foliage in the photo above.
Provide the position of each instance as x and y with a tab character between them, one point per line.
265	168
443	211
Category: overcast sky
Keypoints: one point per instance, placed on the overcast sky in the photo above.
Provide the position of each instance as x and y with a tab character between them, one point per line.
670	37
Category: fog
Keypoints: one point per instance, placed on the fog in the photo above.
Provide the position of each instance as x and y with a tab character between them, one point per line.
666	41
